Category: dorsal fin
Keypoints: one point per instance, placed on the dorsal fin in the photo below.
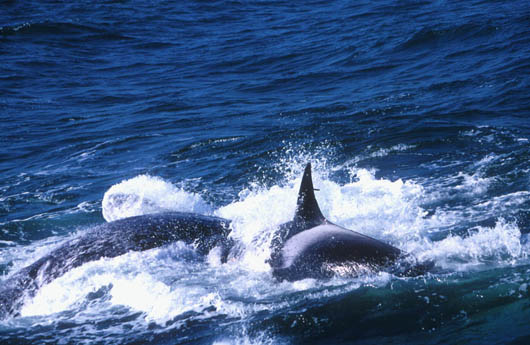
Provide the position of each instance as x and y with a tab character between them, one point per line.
307	213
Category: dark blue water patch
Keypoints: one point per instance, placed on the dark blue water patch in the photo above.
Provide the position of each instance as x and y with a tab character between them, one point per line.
68	34
409	312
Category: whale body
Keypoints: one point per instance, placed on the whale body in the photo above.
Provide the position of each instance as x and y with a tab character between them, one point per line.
110	240
310	246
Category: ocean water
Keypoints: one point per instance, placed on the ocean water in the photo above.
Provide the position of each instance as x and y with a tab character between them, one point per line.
415	115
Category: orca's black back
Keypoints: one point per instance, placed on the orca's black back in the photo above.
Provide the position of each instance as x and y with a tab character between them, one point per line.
110	240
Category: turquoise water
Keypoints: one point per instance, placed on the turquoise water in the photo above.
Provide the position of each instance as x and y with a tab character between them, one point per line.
415	115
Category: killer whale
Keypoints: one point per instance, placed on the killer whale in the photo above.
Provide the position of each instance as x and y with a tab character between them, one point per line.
112	239
310	246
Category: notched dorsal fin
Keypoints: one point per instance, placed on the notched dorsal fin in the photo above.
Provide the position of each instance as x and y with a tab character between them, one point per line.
307	215
307	210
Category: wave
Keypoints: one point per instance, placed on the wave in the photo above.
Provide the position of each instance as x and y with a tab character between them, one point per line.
173	289
427	37
66	30
389	210
147	194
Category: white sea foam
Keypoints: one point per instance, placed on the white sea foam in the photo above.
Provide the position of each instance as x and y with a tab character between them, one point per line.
482	245
255	217
137	280
148	194
378	208
243	338
473	185
166	282
21	256
383	152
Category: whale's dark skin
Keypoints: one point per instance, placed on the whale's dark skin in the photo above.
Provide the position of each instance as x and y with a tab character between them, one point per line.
310	246
110	240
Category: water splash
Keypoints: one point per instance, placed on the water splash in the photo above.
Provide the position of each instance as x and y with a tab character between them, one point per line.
148	194
164	283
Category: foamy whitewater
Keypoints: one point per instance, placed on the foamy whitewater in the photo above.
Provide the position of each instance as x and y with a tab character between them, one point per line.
166	283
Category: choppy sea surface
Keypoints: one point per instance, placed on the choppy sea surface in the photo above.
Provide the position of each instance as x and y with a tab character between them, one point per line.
415	115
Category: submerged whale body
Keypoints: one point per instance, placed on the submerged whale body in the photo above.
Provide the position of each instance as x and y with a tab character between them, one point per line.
310	246
110	240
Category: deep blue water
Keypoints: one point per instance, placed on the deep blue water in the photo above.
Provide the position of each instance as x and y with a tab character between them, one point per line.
415	114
